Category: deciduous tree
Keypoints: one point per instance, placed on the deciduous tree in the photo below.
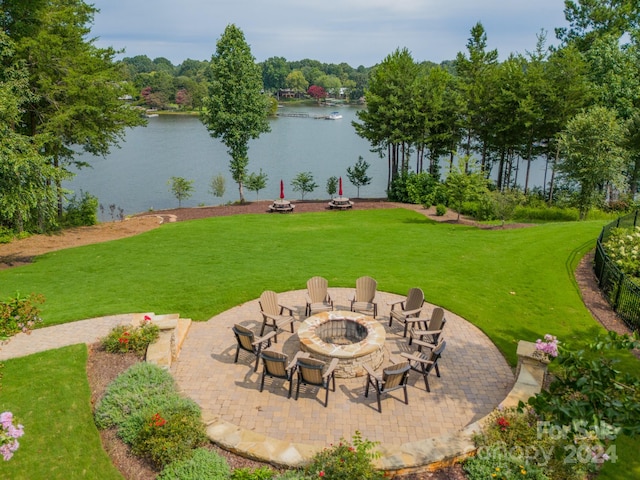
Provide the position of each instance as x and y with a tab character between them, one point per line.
257	181
303	183
181	188
236	108
75	87
593	156
358	174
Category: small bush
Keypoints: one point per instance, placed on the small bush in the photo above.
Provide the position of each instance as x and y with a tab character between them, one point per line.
203	465
262	473
131	391
169	436
82	211
124	339
19	314
167	403
495	464
440	210
292	475
346	461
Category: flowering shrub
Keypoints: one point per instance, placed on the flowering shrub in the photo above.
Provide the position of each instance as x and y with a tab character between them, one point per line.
9	434
168	437
549	345
346	461
517	444
19	314
623	248
123	339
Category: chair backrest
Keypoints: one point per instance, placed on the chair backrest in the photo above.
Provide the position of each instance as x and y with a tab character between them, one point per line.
437	319
311	370
366	289
244	336
269	302
415	299
317	289
436	353
395	376
275	363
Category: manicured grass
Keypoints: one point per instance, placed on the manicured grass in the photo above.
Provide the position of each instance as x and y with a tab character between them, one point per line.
513	284
48	393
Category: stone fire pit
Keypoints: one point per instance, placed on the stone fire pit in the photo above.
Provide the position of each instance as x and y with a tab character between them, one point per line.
353	338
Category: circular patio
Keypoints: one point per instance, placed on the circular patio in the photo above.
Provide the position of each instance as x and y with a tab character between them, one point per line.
267	426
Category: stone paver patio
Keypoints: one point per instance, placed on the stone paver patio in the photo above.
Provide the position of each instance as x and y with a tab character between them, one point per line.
475	379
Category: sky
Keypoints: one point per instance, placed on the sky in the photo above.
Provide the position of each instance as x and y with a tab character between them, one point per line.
357	32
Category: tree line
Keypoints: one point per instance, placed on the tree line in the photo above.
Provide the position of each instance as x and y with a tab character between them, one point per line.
575	105
159	84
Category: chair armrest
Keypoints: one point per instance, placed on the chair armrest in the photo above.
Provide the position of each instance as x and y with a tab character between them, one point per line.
422	343
266	338
371	373
417	320
331	368
412	312
293	363
284	307
393	304
415	358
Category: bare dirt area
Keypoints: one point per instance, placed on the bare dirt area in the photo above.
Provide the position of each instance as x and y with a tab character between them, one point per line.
103	367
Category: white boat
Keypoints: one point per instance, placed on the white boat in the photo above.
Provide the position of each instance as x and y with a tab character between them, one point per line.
334	116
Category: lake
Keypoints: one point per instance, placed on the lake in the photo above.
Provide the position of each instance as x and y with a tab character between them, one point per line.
135	176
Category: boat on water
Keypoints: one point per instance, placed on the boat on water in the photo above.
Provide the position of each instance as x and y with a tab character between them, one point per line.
334	116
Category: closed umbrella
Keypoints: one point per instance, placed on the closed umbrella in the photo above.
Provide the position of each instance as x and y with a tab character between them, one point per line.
281	190
340	190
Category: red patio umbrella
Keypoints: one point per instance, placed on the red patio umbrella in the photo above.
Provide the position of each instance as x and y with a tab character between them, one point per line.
281	190
340	190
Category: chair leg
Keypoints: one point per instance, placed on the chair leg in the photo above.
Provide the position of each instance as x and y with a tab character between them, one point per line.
437	371
366	390
406	396
255	369
379	404
405	329
237	353
326	397
298	388
262	381
290	386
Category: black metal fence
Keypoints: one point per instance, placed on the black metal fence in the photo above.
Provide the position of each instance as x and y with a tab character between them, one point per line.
622	293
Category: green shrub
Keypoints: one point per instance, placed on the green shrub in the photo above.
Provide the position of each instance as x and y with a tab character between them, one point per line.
82	211
546	214
168	403
203	465
131	391
168	436
262	473
292	475
124	339
346	461
440	210
493	463
19	314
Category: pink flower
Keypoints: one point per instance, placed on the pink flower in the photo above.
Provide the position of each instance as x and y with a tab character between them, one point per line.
321	473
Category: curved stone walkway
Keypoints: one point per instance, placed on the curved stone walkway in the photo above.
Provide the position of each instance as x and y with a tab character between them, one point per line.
269	426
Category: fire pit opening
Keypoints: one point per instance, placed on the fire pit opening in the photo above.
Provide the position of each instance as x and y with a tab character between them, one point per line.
353	338
341	331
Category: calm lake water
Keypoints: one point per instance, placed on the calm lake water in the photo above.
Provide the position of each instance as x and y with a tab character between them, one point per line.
135	176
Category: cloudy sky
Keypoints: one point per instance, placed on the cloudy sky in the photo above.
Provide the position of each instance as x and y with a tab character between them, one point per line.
358	32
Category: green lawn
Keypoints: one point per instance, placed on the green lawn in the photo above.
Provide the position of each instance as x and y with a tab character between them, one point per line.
513	284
